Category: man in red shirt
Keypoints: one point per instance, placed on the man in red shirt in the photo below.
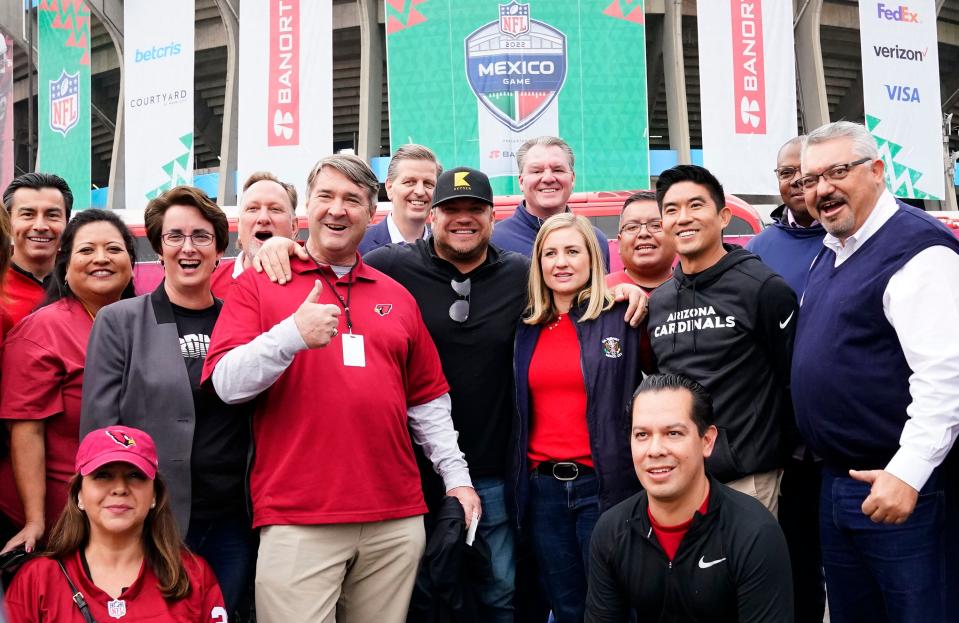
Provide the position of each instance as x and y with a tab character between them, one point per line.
39	205
647	252
344	368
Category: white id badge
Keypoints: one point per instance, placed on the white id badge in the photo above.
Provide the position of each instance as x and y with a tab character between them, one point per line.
353	353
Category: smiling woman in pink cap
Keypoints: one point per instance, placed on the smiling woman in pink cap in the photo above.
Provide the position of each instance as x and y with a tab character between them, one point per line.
115	551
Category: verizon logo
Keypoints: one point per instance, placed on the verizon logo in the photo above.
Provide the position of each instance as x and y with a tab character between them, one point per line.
749	73
283	89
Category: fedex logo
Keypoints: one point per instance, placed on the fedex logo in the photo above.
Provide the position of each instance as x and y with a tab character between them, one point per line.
900	13
749	66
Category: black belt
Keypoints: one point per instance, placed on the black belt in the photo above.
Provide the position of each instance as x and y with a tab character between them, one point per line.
564	470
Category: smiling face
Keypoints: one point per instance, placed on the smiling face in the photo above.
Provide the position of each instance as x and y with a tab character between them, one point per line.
546	180
339	211
100	266
565	265
691	219
37	219
265	211
411	190
188	267
668	452
461	231
842	206
116	499
645	253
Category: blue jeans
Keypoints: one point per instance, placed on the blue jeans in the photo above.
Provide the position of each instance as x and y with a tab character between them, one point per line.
495	528
883	572
229	544
561	517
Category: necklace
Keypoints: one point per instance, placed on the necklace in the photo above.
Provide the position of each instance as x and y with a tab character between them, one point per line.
87	309
559	319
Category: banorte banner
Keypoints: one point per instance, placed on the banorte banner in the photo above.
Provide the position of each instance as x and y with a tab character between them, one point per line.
474	80
900	87
747	82
6	110
63	87
158	92
286	88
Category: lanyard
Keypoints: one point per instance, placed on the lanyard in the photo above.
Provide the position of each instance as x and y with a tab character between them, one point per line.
349	290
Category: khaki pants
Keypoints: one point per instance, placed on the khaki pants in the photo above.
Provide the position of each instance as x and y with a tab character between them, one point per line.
763	486
350	573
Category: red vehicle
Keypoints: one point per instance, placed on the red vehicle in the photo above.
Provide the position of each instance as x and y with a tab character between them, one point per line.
601	208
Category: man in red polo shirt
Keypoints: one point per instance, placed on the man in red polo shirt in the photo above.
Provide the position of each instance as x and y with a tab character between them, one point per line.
39	205
344	368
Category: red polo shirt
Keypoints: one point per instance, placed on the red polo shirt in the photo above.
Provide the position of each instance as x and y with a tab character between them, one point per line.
21	294
332	443
43	361
40	593
222	279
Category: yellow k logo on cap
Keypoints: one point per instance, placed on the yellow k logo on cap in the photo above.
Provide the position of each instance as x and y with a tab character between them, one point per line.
459	179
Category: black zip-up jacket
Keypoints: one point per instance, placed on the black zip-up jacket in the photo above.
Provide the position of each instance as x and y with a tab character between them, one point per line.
731	328
732	565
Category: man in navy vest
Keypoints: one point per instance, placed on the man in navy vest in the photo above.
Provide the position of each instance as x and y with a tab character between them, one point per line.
874	385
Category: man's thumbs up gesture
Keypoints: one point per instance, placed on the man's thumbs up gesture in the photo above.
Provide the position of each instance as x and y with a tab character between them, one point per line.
316	321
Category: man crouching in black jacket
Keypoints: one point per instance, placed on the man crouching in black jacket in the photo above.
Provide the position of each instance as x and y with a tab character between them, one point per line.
688	548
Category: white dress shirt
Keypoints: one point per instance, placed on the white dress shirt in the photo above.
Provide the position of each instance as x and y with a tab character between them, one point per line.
921	302
395	235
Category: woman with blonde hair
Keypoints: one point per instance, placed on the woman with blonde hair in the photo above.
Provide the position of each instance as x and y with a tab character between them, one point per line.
576	364
115	552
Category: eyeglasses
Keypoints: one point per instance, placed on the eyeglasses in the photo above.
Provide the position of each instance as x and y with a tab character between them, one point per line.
460	309
786	173
832	174
653	227
199	238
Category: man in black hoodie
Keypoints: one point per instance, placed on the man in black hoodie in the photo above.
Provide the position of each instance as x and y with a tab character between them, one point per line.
727	321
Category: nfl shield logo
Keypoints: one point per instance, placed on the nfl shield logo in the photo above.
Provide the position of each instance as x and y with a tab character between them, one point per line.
516	66
64	102
117	608
514	18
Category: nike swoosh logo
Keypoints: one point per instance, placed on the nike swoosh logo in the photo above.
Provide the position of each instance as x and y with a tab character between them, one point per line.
782	325
706	565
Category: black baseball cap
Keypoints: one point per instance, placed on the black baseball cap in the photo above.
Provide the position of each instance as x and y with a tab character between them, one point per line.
462	182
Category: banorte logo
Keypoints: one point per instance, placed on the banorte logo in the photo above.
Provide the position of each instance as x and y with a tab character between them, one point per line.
283	88
749	67
900	13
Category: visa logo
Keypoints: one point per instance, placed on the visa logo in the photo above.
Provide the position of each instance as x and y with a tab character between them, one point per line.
899	93
900	13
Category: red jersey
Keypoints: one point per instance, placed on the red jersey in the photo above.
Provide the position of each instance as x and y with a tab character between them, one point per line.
670	537
39	593
21	295
222	278
332	443
43	360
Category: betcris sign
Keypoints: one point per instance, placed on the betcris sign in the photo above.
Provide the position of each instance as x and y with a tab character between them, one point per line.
155	53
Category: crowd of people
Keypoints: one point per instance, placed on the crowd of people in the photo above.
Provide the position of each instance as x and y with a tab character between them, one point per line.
444	418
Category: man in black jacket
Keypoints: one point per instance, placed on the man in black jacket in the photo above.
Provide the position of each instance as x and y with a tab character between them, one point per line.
727	321
687	548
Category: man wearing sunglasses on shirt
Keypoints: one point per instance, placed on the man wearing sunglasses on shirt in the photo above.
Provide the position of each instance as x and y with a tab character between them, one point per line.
874	385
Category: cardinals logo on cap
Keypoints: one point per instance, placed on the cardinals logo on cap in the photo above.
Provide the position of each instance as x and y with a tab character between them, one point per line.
121	438
383	309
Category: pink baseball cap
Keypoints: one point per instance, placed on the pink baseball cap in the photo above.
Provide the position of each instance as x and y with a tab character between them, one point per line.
117	444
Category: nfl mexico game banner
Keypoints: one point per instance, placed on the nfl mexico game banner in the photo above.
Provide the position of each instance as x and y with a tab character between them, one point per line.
474	80
158	93
747	76
286	88
63	87
900	86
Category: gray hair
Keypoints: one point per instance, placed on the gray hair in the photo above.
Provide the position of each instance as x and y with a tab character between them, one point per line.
545	141
863	143
353	169
411	151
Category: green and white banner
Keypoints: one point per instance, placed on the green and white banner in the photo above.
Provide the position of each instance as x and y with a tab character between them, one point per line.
900	86
63	86
474	80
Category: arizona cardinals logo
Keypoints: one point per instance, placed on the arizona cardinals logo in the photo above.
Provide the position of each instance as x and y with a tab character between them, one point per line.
383	308
121	438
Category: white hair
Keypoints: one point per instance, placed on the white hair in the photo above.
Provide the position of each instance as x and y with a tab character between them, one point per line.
863	143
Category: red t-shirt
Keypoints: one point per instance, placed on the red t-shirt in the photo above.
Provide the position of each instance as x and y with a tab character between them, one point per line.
557	430
670	537
21	295
39	593
614	279
332	443
43	360
222	279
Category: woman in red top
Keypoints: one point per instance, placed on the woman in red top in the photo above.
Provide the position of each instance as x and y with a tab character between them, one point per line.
116	544
43	361
577	364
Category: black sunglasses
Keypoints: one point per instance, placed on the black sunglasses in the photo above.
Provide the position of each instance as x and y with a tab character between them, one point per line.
460	309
